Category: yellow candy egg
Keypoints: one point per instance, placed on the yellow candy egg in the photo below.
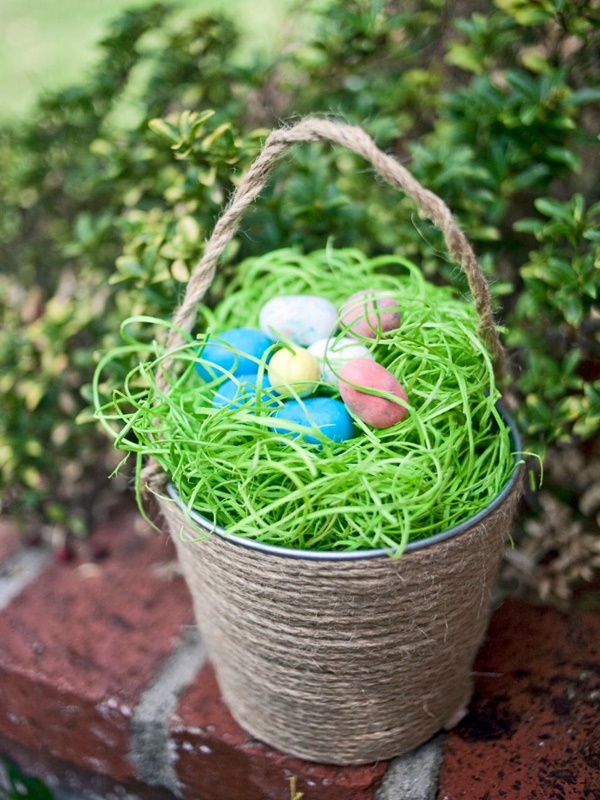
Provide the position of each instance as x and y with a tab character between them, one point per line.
294	368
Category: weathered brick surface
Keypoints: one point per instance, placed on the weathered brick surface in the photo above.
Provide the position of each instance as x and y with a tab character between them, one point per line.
80	644
217	760
89	652
84	643
533	731
84	784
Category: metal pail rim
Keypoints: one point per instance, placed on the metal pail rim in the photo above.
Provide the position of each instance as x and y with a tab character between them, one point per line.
354	555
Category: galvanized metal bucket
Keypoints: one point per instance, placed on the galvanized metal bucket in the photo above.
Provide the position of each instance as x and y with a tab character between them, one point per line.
344	658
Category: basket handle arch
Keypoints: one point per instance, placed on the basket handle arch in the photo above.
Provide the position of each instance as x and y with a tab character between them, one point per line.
354	138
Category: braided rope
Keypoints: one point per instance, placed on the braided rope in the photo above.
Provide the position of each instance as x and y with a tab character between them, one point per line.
356	139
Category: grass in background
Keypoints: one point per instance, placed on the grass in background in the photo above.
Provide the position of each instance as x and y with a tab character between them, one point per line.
47	44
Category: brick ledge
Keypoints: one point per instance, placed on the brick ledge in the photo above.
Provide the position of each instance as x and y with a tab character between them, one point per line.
105	690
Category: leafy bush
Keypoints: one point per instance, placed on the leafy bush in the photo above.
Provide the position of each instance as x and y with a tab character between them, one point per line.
111	187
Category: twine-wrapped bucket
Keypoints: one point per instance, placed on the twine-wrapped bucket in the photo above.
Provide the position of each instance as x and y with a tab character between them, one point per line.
342	658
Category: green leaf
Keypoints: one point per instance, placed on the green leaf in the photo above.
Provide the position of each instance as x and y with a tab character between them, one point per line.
552	208
210	140
539	410
552	272
129	266
462	56
530	176
485	233
522	83
592	392
572	361
583	97
535	61
565	156
528	225
571	308
165	129
527	12
189	230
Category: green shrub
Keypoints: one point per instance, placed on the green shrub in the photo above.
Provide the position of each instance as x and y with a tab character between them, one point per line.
112	186
556	321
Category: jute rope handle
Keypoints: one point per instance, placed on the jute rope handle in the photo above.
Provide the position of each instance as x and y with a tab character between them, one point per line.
314	129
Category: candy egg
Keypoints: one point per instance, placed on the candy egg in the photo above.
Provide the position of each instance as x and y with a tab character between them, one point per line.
294	368
369	313
380	412
237	351
301	319
242	391
328	415
333	354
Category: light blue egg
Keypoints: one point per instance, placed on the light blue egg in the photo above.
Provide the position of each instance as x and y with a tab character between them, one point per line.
242	391
238	351
328	415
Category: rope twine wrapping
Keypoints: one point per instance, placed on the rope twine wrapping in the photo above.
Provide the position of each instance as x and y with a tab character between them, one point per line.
344	662
341	661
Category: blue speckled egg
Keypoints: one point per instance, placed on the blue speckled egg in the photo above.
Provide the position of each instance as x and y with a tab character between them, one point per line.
237	351
328	415
242	391
298	318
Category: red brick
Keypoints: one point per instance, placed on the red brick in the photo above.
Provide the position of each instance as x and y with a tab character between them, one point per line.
533	731
80	644
83	783
10	540
217	760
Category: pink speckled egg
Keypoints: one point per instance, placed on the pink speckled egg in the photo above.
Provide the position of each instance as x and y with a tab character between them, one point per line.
370	313
380	412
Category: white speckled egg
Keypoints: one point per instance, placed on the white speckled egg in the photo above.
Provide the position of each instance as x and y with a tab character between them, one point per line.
333	354
299	318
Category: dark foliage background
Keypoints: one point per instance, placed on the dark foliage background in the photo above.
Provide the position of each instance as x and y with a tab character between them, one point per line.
109	189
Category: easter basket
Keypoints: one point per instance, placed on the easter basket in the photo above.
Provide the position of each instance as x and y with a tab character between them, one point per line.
350	655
